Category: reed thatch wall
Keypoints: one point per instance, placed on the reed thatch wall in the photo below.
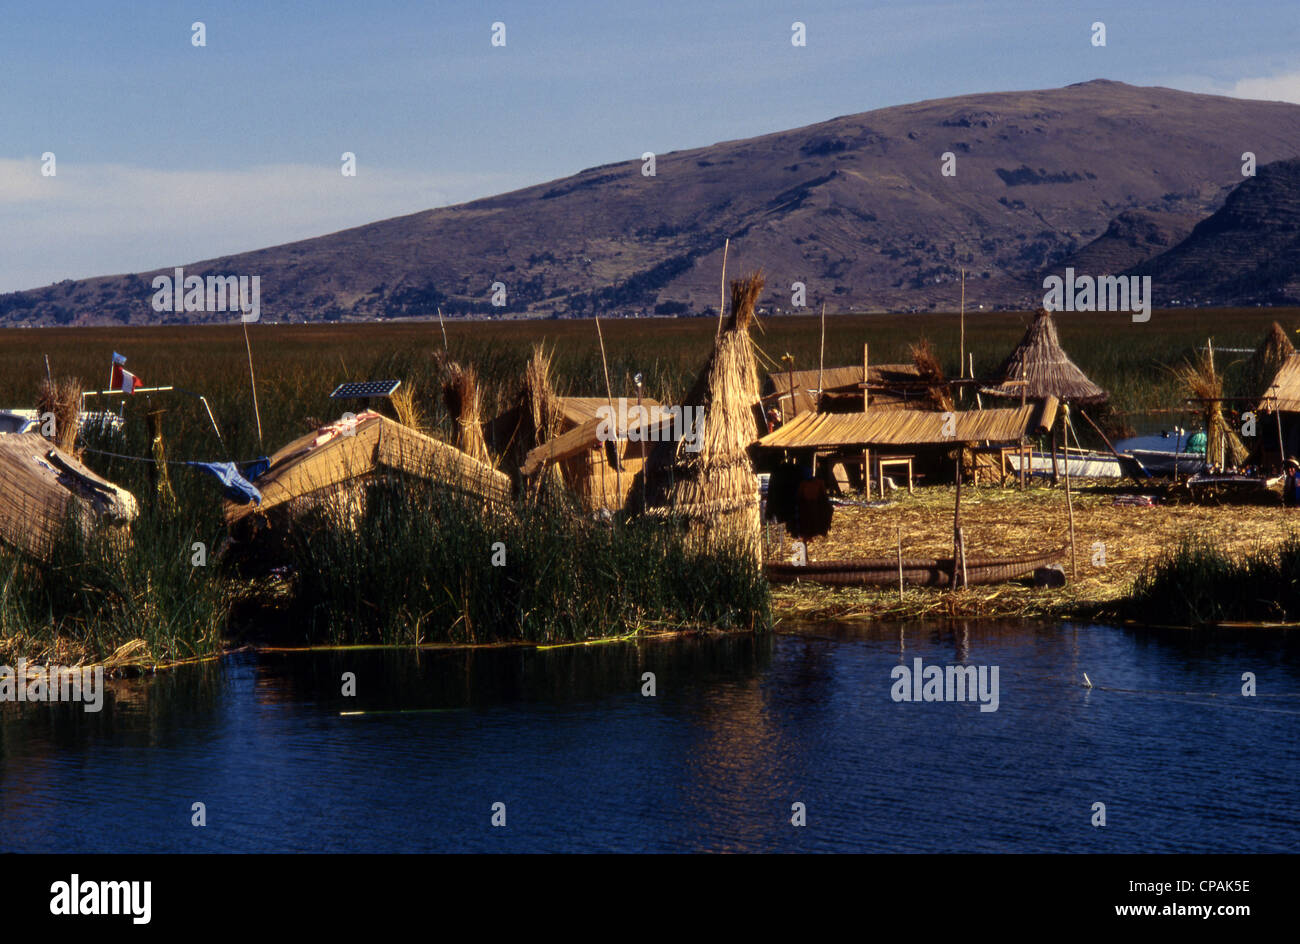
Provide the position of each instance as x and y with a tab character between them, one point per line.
42	485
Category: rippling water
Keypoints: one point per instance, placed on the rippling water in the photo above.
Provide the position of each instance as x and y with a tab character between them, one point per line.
739	730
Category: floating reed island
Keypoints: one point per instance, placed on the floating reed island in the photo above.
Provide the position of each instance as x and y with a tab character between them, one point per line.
504	497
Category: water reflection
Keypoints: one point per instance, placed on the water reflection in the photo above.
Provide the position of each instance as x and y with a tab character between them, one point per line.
740	728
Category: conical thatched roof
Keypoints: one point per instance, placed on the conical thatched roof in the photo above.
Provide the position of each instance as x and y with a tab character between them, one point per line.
1040	360
1268	359
713	487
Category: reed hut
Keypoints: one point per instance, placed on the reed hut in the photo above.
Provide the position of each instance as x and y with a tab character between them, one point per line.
712	485
43	486
928	436
602	449
1279	414
333	465
1046	370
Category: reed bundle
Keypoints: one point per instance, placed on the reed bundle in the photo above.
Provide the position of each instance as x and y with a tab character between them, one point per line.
712	486
62	398
461	393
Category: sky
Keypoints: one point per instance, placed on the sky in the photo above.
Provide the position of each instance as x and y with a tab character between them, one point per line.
166	152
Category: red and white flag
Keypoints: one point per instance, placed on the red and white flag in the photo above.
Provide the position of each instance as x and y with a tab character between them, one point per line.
121	378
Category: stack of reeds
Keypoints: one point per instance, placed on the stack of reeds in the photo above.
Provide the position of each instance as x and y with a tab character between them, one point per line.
930	371
460	391
714	488
62	399
1204	386
539	410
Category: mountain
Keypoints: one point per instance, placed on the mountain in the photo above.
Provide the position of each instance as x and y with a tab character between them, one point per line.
1248	252
857	208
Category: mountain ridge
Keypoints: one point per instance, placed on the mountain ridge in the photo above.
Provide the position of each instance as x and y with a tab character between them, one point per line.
855	207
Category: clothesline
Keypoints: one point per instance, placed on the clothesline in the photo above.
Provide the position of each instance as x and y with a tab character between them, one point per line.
237	487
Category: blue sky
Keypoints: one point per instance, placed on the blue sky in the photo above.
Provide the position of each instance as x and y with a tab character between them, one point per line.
167	153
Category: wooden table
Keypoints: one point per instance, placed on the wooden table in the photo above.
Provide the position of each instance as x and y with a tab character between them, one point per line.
882	461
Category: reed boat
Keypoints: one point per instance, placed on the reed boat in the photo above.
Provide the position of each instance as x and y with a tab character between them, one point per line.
917	572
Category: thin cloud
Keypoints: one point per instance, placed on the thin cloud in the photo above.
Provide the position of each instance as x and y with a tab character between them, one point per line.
108	218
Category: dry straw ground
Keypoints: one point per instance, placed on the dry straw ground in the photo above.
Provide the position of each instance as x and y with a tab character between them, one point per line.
1000	521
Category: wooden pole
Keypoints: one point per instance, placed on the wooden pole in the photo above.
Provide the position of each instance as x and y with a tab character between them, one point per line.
722	305
609	396
444	330
900	562
252	379
961	355
821	358
789	372
1277	415
865	400
1069	502
956	526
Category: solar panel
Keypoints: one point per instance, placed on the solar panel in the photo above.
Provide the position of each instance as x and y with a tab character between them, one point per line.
365	389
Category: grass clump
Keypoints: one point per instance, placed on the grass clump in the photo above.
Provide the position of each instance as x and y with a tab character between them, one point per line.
1197	583
421	564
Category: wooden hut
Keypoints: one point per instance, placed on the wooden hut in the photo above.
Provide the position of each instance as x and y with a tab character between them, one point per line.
1039	368
339	459
601	448
43	486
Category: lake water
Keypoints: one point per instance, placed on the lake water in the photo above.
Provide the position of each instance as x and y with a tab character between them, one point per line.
740	729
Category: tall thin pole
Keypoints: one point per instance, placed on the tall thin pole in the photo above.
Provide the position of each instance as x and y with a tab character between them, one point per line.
722	304
444	330
1069	502
821	358
252	379
956	527
49	376
961	358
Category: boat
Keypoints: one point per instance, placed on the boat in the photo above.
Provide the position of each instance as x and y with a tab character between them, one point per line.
1082	465
917	572
1165	453
1233	486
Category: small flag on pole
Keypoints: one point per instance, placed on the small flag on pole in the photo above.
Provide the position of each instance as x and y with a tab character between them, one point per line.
121	378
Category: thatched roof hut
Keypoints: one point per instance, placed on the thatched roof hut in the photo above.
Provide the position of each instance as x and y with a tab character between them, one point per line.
602	449
42	485
1043	364
712	485
334	459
